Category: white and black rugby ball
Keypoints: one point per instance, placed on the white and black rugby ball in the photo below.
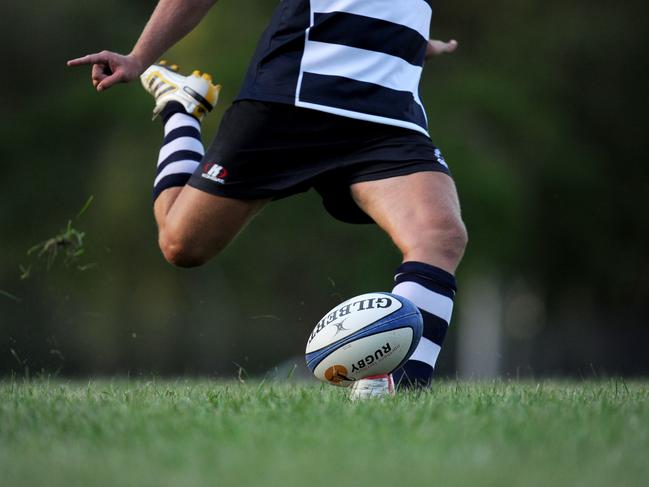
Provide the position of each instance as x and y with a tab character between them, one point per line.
371	334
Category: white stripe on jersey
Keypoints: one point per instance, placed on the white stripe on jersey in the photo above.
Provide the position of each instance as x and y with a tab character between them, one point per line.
361	65
415	14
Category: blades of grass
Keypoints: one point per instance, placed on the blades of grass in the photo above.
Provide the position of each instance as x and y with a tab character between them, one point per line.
85	207
25	272
36	247
241	373
261	385
69	243
17	357
10	296
291	372
86	267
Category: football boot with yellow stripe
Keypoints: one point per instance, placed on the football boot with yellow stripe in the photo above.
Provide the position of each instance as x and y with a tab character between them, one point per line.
195	92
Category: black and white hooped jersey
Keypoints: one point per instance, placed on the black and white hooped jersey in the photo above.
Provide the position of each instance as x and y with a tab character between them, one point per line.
361	59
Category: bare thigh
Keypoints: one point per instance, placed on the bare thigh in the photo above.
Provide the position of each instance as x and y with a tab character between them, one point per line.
421	214
195	226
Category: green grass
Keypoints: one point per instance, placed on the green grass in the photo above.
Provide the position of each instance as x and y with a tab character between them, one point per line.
199	433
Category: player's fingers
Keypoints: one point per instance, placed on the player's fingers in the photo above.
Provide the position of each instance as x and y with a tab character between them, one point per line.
441	47
89	59
98	70
451	46
99	73
111	80
435	47
97	80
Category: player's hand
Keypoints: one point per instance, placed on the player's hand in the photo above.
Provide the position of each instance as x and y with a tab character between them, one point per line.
109	68
435	48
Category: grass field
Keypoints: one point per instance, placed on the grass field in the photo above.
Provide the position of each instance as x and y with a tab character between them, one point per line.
192	433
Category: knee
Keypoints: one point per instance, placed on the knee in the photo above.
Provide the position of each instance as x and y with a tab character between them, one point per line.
442	237
179	251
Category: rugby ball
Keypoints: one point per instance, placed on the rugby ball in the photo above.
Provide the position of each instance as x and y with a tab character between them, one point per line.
371	334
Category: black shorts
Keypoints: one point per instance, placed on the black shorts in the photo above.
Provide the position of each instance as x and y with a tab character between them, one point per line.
273	150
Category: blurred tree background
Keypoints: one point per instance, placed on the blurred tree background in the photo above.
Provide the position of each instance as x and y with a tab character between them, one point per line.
542	114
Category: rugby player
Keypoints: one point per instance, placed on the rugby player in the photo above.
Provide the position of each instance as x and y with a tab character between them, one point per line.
331	102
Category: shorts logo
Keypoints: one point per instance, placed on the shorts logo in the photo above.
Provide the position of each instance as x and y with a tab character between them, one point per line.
215	172
440	158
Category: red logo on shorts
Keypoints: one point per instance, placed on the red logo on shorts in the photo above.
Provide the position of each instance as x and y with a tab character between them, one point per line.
214	172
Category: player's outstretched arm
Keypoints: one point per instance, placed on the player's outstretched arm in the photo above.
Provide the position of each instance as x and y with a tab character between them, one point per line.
435	48
171	21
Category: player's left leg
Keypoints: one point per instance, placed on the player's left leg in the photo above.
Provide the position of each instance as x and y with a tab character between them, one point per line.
193	226
421	213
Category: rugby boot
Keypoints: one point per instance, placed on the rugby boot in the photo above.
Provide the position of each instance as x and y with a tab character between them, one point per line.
195	92
370	387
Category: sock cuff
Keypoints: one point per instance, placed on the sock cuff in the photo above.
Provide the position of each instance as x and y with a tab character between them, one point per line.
171	109
434	276
170	181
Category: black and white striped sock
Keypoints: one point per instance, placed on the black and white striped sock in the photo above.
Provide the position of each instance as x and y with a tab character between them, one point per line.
181	151
432	290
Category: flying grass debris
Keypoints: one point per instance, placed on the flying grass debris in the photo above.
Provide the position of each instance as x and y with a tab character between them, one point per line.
10	296
67	245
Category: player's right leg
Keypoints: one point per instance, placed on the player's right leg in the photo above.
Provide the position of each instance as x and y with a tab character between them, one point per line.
421	214
193	225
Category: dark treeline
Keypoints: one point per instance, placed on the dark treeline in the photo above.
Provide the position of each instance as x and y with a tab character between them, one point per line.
541	115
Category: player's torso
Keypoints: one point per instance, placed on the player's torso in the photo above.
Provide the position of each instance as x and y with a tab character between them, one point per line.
355	58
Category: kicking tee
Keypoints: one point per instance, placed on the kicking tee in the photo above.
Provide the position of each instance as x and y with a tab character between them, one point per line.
361	59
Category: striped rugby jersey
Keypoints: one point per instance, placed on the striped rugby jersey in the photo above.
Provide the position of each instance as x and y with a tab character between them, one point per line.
361	59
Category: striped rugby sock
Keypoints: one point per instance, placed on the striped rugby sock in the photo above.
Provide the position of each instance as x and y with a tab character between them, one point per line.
181	151
432	290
